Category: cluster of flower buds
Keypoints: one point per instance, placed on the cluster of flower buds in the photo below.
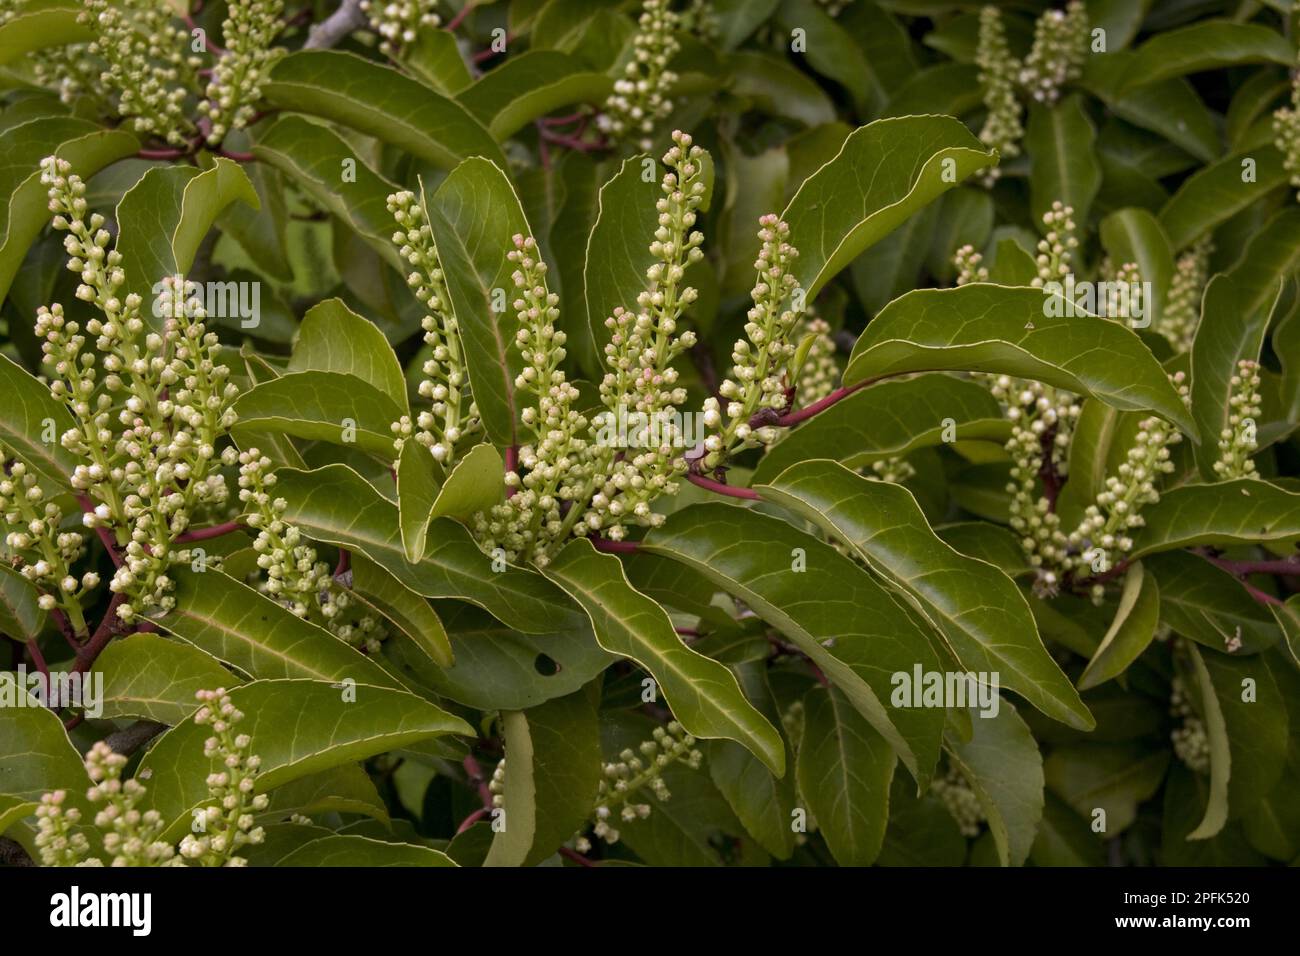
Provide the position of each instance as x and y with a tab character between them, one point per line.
550	468
1286	132
398	22
999	73
1057	55
970	265
700	19
46	551
1119	301
625	778
1182	311
893	470
447	420
497	785
238	74
639	99
821	372
956	794
1057	247
758	382
147	65
1102	538
130	838
640	385
59	839
227	822
1238	441
1191	743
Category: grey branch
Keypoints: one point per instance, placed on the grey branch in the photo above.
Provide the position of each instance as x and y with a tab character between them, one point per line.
336	26
130	739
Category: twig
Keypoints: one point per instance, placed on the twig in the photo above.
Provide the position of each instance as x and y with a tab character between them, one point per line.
38	659
204	534
766	417
103	634
330	31
576	857
459	18
472	819
237	156
1287	566
614	547
722	489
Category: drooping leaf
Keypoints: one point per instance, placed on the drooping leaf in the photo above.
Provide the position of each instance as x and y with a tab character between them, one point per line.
1213	194
554	769
529	86
1130	632
1060	141
1004	329
977	608
333	407
1207	45
333	338
1208	605
1242	511
849	626
703	695
409	611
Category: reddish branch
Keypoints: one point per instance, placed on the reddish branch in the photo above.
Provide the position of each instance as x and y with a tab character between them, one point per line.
768	417
575	856
1286	566
204	534
89	651
1047	473
614	547
722	489
459	18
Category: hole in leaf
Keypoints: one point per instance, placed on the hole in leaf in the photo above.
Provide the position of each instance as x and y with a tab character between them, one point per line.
546	666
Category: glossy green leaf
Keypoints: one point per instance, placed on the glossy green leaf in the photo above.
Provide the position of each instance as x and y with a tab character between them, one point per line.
976	607
32	422
1208	605
1060	141
774	85
1217	192
1003	766
475	214
410	612
1208	45
381	102
13	809
333	338
417	486
891	418
830	50
298	727
336	505
848	624
237	625
951	89
1114	778
1242	511
884	173
1216	732
20	616
352	850
36	755
150	676
703	695
1171	108
1130	632
845	769
322	406
529	86
982	327
1135	235
554	770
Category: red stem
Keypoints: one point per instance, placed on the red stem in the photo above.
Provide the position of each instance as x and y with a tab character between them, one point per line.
803	414
162	153
459	18
731	492
489	53
1288	566
237	157
575	856
472	819
512	464
38	659
103	634
476	777
614	547
65	628
203	534
345	562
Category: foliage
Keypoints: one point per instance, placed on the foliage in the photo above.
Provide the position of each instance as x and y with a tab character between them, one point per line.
678	433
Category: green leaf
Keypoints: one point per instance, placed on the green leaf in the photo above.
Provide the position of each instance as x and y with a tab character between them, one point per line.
1242	511
336	505
976	607
1130	632
13	809
410	612
884	173
24	201
30	416
764	803
499	668
952	89
1060	141
1208	605
888	419
298	727
1207	45
237	625
474	215
321	406
1171	108
703	694
146	675
982	327
381	102
20	616
474	485
1216	732
1004	768
554	771
36	755
333	338
845	769
775	86
436	59
40	24
353	850
528	86
417	486
1064	839
1114	778
831	50
166	215
1135	235
1214	194
848	624
332	174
